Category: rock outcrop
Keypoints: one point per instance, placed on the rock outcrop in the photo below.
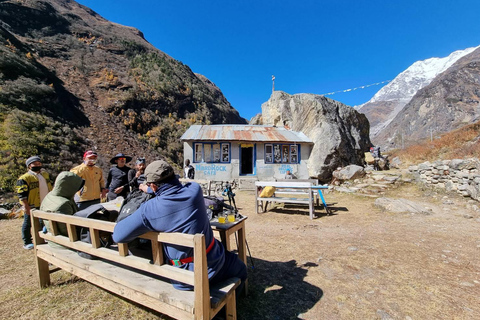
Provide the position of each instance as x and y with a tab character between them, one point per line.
340	133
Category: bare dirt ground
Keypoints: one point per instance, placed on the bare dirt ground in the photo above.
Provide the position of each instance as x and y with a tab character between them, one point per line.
360	263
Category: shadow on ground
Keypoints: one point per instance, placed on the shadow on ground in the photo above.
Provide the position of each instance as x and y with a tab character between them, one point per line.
277	290
302	210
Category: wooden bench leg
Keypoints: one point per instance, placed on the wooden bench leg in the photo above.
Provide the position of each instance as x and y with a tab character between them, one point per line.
231	307
42	265
43	273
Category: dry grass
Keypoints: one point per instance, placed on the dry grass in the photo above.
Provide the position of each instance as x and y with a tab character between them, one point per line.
458	144
357	264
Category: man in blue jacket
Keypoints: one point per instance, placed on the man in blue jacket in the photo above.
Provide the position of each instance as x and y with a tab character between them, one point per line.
179	208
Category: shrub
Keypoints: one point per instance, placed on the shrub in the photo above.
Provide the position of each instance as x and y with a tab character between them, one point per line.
25	134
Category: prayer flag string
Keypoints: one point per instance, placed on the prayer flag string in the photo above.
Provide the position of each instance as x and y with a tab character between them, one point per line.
353	89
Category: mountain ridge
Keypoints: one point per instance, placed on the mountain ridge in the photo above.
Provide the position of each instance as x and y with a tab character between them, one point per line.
63	64
382	108
450	101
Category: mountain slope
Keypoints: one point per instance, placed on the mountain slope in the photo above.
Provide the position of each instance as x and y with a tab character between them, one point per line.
449	102
108	85
392	98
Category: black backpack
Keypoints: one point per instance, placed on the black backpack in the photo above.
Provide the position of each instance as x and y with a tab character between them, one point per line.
216	204
98	212
132	203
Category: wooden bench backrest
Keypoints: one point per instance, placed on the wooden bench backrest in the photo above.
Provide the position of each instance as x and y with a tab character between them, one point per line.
198	278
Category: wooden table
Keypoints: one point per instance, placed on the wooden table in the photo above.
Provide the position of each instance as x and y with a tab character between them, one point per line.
226	230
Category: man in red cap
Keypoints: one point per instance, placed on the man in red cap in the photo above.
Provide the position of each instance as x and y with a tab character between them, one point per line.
94	188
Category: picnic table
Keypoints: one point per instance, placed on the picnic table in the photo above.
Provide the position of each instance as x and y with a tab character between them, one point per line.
301	192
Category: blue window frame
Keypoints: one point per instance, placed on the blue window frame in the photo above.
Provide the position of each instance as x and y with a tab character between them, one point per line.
282	153
212	152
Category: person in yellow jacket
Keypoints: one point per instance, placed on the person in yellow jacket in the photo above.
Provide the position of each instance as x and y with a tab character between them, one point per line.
31	188
94	188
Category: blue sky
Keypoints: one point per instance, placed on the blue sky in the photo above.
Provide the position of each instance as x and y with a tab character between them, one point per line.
310	46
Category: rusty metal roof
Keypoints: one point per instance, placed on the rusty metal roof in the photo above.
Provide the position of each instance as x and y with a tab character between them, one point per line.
243	133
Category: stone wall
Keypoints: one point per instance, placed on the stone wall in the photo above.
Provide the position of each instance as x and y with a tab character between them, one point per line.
457	175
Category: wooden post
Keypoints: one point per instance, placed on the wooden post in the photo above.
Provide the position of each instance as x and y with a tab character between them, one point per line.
95	237
123	249
231	307
157	252
42	265
201	287
72	232
53	227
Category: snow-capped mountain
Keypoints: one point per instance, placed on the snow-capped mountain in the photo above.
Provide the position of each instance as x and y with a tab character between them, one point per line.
393	97
450	101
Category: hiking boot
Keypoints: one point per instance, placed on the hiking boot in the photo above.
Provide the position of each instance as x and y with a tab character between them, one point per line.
28	246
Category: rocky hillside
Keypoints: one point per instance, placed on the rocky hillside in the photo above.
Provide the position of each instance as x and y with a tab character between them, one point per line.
340	134
450	101
392	98
71	80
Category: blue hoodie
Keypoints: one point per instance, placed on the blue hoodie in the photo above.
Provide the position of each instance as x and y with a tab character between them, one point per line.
175	208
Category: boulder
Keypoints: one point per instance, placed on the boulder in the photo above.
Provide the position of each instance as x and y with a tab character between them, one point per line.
350	172
340	133
396	163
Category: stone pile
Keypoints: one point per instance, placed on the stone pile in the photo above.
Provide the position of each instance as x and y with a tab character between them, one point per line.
355	179
457	175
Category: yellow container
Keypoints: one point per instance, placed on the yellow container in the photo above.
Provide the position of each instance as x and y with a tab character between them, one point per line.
231	218
221	219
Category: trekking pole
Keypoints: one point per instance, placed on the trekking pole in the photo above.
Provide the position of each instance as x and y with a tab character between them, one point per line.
248	248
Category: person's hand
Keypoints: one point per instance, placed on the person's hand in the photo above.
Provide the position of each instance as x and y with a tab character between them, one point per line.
143	187
26	207
118	190
138	174
104	192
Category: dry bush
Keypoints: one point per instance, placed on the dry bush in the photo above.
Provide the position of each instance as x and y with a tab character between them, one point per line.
460	143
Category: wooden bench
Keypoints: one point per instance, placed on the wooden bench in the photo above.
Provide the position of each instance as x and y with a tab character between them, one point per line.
144	281
288	191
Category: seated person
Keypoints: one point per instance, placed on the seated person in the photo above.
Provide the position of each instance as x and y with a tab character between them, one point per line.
179	208
60	199
289	175
136	176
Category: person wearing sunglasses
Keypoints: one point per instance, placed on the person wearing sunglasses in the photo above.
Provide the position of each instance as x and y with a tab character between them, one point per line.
117	179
